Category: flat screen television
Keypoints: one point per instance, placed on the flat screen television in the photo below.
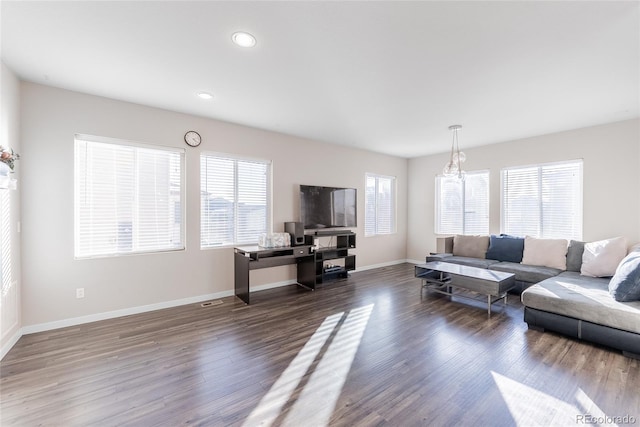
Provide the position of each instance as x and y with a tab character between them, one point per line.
327	207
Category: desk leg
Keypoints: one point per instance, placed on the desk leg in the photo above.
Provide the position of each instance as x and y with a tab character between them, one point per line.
241	280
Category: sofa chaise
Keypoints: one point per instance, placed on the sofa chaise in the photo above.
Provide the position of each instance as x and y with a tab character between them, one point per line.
557	287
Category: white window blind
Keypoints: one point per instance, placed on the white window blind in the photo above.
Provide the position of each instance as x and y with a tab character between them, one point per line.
5	241
543	201
128	198
462	206
235	200
380	205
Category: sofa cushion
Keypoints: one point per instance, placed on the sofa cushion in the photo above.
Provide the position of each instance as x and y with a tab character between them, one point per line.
545	252
581	297
625	284
601	258
574	255
470	246
468	261
526	273
505	248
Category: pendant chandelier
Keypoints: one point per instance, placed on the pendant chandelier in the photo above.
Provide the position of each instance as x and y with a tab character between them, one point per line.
457	157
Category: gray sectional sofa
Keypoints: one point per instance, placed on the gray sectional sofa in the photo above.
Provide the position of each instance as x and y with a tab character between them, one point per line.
561	300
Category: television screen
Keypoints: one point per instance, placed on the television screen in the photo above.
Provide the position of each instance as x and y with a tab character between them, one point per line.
327	207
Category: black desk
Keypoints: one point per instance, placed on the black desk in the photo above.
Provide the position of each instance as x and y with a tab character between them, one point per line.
248	258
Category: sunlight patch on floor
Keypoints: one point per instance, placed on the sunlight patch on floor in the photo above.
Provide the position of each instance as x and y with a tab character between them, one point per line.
529	406
271	404
339	336
588	406
319	396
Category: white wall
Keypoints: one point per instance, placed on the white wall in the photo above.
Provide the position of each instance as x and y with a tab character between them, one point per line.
50	118
611	156
10	316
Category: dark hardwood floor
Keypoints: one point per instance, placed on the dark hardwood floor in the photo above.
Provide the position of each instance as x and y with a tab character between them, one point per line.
371	350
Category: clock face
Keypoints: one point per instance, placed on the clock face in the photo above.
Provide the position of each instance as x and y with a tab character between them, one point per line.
192	138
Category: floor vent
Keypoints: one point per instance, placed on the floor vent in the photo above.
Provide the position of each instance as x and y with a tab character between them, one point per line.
211	303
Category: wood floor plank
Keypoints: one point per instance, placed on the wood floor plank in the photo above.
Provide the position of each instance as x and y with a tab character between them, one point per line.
400	356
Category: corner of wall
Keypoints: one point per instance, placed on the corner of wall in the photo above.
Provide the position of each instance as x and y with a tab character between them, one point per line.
10	216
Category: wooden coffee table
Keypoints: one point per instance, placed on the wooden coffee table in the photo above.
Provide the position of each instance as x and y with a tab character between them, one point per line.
442	277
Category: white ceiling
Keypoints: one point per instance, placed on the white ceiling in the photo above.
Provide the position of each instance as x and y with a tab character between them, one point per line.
383	76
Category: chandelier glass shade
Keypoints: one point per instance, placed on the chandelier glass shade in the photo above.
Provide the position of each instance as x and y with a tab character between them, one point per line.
457	157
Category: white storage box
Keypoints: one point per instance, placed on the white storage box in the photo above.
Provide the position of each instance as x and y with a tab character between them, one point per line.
274	240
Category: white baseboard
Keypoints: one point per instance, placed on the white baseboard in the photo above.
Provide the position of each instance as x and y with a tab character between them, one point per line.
384	264
41	327
10	343
74	321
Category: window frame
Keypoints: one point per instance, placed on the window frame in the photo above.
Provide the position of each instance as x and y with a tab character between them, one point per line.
540	167
437	203
6	263
138	145
269	196
394	208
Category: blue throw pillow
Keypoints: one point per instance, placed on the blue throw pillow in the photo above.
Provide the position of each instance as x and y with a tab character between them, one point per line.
625	284
505	248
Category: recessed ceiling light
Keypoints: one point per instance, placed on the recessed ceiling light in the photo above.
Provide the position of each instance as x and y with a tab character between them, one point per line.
205	95
243	39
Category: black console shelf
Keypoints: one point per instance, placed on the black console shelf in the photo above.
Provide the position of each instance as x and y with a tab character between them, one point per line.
310	264
345	240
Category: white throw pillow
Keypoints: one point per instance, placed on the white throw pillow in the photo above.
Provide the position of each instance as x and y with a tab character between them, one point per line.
601	258
545	252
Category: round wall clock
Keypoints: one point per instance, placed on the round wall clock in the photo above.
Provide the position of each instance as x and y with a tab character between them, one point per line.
192	138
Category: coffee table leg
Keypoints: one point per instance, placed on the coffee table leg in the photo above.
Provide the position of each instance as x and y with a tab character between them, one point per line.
489	305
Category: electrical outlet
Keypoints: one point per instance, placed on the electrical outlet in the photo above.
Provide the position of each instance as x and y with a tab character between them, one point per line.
80	293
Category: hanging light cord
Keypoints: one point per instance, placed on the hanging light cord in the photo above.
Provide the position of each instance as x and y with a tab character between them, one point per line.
453	144
455	138
456	157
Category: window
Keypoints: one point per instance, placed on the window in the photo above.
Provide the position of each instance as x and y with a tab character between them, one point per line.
462	206
9	301
235	200
543	200
129	197
5	241
380	205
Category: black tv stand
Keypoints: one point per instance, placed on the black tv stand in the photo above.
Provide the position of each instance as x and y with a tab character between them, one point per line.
345	240
310	264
